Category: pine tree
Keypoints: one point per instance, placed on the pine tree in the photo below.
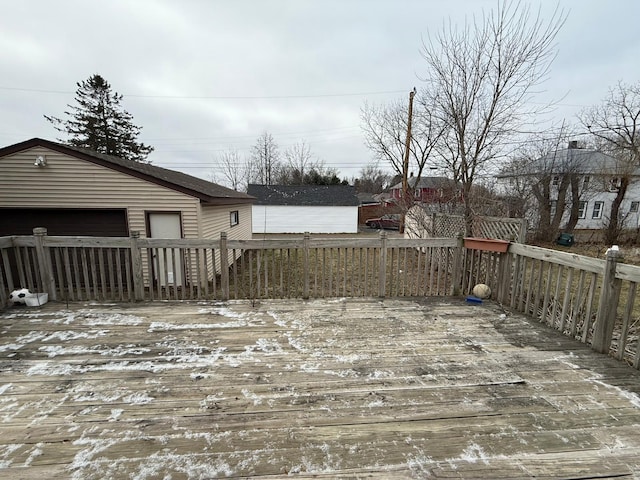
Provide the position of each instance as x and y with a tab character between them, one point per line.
98	122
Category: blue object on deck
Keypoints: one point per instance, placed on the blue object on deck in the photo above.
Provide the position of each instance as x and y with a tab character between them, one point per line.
472	299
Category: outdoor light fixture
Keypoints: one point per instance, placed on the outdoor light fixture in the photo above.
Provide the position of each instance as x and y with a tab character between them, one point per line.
41	161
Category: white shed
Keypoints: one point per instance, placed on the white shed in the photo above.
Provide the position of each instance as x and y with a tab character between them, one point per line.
304	208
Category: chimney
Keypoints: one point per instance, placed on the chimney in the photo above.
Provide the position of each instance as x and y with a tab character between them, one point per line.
573	144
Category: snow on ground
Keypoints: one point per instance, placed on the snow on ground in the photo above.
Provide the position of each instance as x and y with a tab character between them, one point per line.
194	346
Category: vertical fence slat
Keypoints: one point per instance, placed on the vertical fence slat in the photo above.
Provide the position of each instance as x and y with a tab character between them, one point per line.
382	273
305	265
579	298
530	284
626	319
128	274
589	305
224	266
567	297
6	267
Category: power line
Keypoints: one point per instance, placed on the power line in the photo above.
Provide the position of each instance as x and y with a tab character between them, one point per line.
213	97
252	136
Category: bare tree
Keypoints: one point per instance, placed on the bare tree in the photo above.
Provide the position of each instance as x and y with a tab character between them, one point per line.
385	129
479	80
265	160
548	174
231	170
372	179
615	123
299	161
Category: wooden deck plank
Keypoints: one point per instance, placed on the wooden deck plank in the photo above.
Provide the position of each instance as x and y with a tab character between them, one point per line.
333	388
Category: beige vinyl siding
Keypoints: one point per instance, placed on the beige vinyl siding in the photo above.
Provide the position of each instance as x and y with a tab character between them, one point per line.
68	182
216	219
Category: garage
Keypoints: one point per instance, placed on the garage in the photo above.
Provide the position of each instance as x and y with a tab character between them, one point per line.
64	221
304	208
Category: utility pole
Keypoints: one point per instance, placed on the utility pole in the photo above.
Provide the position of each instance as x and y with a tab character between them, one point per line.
407	144
405	164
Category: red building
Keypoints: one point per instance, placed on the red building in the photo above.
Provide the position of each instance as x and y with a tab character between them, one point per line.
428	190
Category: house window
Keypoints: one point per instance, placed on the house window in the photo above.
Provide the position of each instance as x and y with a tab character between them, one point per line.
585	182
234	218
634	207
552	207
614	184
555	180
582	210
597	210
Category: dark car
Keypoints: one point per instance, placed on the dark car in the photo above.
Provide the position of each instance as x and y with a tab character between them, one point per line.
389	221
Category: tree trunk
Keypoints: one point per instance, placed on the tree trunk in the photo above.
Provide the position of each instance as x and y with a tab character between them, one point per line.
561	205
575	203
468	211
614	228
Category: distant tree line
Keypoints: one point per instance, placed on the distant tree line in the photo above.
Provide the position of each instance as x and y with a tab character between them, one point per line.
266	165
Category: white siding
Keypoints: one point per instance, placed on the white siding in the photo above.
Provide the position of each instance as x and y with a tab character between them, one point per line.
294	219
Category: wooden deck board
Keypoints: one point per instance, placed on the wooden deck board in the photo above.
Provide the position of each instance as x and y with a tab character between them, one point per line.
326	388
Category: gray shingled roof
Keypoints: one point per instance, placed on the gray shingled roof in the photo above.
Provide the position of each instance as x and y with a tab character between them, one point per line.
304	195
207	192
583	161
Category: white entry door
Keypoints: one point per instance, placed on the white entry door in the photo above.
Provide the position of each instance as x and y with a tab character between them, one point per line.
167	262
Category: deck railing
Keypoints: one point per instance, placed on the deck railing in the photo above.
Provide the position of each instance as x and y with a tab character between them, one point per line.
129	269
592	300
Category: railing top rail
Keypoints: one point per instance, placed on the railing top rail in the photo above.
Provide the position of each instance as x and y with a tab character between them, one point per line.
24	241
628	272
104	242
581	262
253	244
6	242
422	242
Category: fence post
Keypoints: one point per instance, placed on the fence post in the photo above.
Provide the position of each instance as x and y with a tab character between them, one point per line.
305	266
522	234
44	262
4	263
382	274
224	266
608	306
504	277
136	266
457	265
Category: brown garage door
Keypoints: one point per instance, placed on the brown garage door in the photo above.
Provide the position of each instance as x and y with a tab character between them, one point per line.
73	222
94	222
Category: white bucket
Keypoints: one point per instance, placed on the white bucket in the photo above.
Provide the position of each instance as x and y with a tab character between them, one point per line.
36	299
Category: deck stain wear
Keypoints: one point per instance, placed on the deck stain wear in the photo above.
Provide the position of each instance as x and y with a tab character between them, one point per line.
324	388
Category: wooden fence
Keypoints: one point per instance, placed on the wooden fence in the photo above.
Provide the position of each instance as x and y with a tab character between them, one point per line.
129	269
449	225
589	299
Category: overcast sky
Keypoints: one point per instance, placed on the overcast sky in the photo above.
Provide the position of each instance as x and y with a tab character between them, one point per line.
203	76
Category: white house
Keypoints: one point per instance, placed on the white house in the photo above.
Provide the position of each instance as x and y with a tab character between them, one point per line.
304	208
599	177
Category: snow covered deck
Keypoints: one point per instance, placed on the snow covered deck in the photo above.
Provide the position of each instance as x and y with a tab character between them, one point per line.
354	387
